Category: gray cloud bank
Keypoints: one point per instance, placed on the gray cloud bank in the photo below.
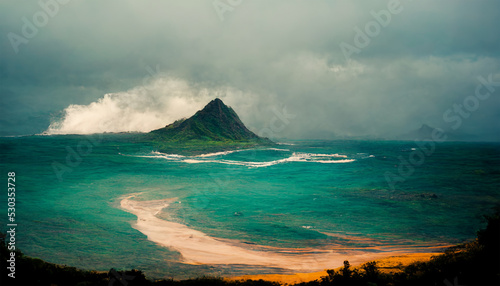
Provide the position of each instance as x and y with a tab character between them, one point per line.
138	65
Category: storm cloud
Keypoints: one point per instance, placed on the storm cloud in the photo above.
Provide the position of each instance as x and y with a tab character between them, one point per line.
341	68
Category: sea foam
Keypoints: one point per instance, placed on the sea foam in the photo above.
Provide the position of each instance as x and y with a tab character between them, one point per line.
294	157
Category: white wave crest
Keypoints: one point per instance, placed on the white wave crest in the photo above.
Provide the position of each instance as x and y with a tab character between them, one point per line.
222	153
294	157
335	161
327	155
278	149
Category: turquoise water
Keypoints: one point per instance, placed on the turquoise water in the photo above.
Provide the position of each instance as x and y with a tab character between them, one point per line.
310	194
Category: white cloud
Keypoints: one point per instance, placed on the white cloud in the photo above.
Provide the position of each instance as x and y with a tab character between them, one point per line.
141	109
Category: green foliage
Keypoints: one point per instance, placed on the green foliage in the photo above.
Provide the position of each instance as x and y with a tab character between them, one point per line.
371	271
347	276
196	147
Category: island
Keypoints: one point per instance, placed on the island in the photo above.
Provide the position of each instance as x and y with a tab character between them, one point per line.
215	128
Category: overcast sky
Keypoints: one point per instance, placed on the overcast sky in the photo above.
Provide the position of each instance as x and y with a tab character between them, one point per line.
335	68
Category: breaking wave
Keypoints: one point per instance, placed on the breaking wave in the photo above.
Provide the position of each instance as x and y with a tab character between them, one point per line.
218	158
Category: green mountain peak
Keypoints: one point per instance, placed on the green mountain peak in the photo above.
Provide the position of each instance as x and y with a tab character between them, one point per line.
216	125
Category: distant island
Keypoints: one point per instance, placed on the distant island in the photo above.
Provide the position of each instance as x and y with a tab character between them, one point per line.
426	133
215	128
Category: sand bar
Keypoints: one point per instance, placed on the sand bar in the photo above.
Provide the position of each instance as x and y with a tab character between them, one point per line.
198	248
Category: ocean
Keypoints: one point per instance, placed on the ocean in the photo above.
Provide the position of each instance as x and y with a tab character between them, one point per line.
312	204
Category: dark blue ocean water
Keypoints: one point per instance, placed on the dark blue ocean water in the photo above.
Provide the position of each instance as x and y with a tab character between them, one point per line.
296	195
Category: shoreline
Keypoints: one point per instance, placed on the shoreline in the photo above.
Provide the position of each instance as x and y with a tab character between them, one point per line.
390	264
198	248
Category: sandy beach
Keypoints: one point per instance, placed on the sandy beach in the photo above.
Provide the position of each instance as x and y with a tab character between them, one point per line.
198	248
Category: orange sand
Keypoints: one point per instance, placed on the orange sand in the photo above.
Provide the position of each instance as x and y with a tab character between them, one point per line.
390	264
